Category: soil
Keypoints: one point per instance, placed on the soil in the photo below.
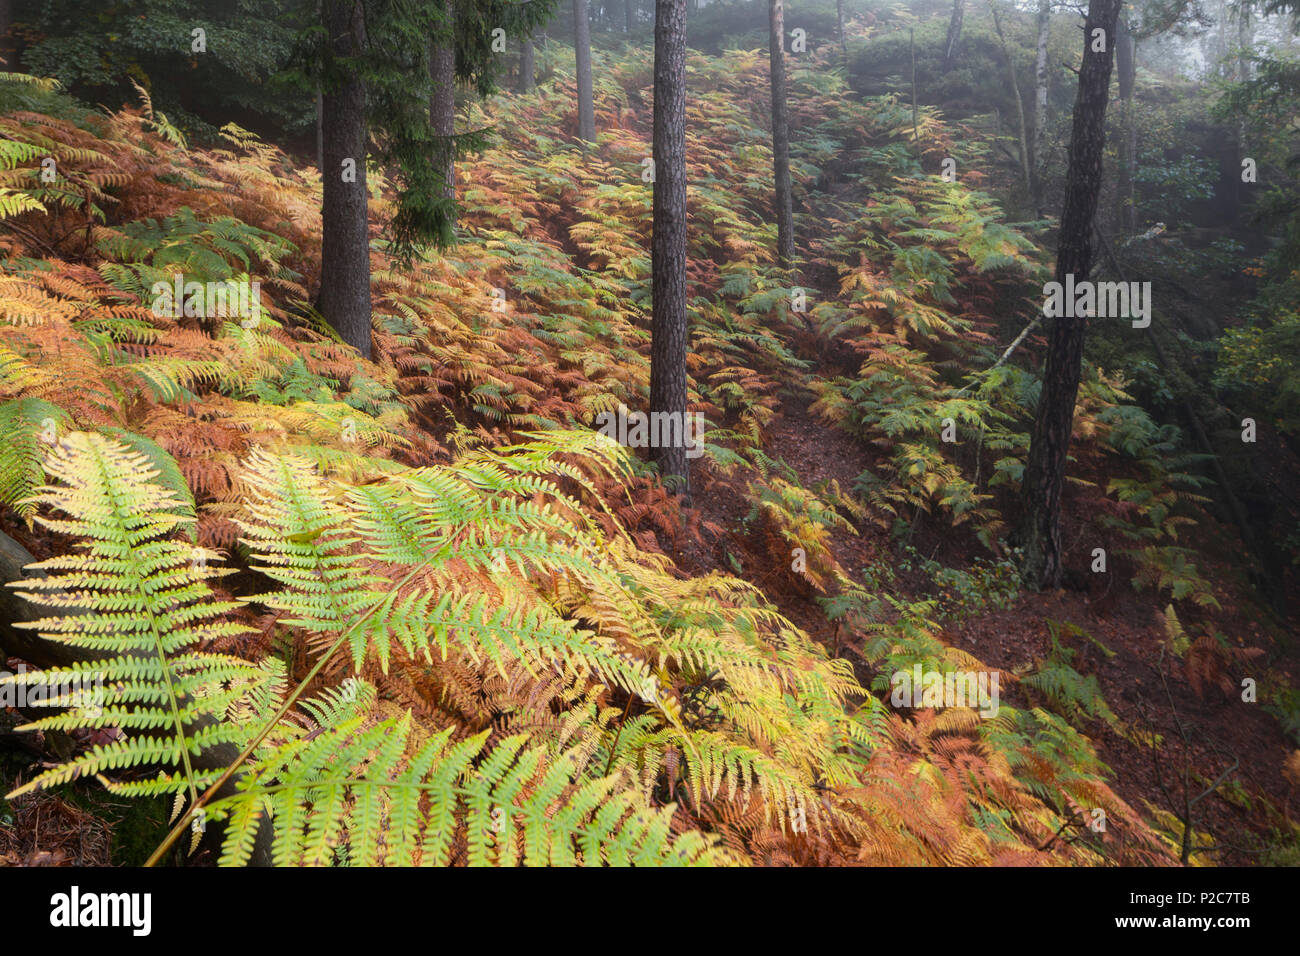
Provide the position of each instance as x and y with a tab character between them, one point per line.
1205	734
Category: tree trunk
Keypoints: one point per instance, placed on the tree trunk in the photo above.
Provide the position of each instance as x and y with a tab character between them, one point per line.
1126	70
839	16
320	116
527	67
1039	532
442	104
954	34
783	201
582	45
344	299
668	243
629	13
916	110
1026	158
1041	81
320	130
1245	36
7	45
1222	67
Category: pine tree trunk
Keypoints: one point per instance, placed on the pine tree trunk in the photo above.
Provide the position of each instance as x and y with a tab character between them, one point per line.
1222	66
1126	70
344	299
783	200
668	242
320	129
954	34
1041	81
629	12
1026	158
7	45
442	104
839	17
320	115
582	45
1245	36
527	67
1039	532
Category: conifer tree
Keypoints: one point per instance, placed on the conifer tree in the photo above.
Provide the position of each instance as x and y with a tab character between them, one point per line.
1039	532
582	50
668	244
783	199
387	69
344	298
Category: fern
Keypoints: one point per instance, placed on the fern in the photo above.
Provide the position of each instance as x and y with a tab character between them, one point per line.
1075	697
324	552
137	605
28	426
497	638
368	795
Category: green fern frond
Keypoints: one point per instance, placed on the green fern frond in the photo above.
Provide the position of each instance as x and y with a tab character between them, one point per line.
14	203
353	794
28	427
326	550
137	604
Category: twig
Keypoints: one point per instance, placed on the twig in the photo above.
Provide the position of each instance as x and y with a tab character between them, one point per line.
1024	334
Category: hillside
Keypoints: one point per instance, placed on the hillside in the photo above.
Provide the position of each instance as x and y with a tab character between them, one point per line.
487	601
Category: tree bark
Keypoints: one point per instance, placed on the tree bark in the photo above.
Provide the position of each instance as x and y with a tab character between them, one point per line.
784	200
7	45
442	104
839	16
582	47
629	13
320	115
344	299
1039	531
668	243
1245	36
954	34
320	130
1026	158
1222	67
1126	70
1041	90
527	67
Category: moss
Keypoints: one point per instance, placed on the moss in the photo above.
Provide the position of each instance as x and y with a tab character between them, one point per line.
135	827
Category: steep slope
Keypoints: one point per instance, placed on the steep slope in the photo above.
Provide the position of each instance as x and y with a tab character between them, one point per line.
590	630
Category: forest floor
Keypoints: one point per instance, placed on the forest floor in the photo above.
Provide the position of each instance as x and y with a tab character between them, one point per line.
1117	634
1125	630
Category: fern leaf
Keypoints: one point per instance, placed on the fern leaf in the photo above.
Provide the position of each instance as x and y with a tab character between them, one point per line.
139	608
